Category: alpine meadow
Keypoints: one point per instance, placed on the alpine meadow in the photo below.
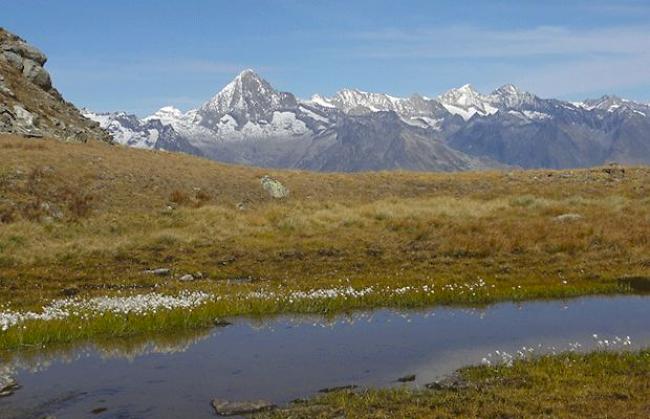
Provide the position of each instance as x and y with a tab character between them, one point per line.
199	217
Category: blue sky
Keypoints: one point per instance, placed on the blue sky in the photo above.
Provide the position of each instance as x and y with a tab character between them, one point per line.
141	55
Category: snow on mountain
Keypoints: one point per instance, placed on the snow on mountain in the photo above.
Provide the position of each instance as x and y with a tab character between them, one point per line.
465	101
126	129
354	100
247	98
149	133
321	101
250	122
510	96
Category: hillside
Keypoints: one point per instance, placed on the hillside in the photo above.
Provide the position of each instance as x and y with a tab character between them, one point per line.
91	218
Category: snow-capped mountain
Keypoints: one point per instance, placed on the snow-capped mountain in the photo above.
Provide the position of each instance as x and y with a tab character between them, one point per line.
466	102
152	133
248	98
249	122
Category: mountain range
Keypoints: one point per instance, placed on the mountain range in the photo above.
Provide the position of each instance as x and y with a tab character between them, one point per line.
250	122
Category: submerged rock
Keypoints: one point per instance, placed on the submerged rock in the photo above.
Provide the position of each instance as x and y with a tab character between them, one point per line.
7	385
406	378
274	188
231	408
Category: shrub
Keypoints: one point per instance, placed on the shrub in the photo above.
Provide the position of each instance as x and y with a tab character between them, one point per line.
179	197
80	204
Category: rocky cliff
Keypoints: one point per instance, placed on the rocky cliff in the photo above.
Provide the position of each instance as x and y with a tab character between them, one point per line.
29	104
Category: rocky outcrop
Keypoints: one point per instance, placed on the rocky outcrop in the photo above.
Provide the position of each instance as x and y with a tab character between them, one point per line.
29	103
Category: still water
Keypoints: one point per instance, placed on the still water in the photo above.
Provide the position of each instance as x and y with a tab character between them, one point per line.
284	358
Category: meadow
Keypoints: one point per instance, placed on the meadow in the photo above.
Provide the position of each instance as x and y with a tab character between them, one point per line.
87	221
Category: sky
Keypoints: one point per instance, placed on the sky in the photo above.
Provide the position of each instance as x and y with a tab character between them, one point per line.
138	56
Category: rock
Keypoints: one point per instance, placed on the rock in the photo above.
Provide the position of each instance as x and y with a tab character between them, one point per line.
13	59
614	169
159	271
568	217
230	408
406	378
15	45
449	383
221	323
37	74
186	278
338	388
7	385
274	188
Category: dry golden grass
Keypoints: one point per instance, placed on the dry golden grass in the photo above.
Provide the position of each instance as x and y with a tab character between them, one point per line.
92	216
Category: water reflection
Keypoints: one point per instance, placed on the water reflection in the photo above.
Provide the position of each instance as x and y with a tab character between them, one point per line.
288	357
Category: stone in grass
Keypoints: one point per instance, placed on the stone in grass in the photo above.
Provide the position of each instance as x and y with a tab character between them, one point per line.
450	383
232	408
186	278
563	218
274	188
406	378
7	385
159	271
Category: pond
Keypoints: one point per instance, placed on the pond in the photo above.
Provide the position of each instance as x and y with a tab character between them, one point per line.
289	357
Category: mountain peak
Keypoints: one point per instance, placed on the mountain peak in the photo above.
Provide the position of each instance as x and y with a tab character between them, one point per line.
510	96
248	97
463	96
508	89
248	73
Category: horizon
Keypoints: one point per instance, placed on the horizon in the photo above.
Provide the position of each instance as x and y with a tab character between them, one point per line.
154	54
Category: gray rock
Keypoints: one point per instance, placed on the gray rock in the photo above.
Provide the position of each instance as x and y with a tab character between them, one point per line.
37	74
13	59
159	271
7	385
274	188
231	408
563	218
406	378
186	278
450	383
22	48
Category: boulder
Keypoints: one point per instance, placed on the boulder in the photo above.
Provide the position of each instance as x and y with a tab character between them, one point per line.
37	74
563	218
231	408
186	278
274	188
7	385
